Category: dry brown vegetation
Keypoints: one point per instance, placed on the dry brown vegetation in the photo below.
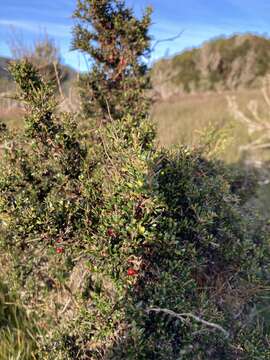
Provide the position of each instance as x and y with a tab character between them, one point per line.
230	63
12	117
181	119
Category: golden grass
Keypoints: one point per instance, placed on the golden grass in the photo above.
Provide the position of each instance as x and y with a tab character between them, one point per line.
12	117
17	329
181	119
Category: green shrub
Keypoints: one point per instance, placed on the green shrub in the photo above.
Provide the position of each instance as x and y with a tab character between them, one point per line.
44	209
188	74
171	236
124	251
117	43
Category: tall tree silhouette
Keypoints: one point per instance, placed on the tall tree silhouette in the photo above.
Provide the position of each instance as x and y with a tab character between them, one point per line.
115	42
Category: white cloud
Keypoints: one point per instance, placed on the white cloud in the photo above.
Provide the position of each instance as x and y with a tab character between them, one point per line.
56	30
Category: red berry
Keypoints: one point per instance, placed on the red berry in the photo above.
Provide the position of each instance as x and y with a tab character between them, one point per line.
122	61
132	272
111	233
59	250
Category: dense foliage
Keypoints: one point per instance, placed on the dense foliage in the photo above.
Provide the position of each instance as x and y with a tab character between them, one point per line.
123	251
43	207
116	42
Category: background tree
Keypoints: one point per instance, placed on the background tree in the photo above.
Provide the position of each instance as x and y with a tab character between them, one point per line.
43	53
116	42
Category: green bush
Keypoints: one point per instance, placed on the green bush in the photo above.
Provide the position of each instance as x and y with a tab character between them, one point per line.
124	251
44	208
171	240
117	43
188	74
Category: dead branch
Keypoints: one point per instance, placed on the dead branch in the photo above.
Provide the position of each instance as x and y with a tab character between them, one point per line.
58	79
183	316
170	39
255	123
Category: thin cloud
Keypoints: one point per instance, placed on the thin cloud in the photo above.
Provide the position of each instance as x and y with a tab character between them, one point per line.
56	30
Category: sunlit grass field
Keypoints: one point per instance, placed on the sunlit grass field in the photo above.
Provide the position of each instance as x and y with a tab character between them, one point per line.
181	120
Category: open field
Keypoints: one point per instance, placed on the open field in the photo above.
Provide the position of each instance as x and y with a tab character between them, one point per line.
12	117
181	120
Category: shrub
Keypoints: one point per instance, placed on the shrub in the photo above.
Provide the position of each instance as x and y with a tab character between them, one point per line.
44	207
171	240
124	251
116	42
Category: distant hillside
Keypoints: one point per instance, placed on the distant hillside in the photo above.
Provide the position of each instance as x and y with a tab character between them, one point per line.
221	64
3	66
5	79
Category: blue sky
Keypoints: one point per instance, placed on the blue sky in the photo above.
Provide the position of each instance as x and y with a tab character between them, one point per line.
199	20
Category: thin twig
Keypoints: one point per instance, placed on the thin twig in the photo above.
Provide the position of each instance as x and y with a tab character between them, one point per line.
65	307
58	80
166	40
106	152
108	109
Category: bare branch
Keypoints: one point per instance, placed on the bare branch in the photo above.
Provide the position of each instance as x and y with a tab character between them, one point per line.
183	316
173	38
257	124
109	111
58	79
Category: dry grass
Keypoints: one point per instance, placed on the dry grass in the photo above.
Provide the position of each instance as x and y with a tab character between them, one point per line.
12	117
181	118
17	328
